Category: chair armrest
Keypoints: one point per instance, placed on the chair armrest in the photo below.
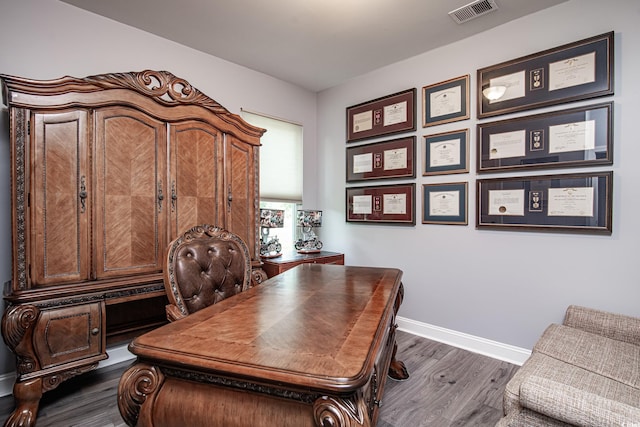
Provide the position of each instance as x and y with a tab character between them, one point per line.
611	325
173	313
575	406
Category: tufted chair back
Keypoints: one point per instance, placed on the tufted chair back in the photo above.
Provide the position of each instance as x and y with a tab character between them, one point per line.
203	266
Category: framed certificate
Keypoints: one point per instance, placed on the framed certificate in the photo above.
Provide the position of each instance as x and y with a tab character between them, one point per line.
445	102
444	203
387	159
568	203
393	204
446	153
568	138
390	114
572	72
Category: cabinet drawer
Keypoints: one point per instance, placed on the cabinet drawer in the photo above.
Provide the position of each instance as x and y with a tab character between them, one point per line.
66	334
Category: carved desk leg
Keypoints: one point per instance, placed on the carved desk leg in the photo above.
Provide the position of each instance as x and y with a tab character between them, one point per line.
27	395
397	369
140	383
334	412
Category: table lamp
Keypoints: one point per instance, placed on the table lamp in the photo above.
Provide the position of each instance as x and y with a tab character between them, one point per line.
270	246
307	220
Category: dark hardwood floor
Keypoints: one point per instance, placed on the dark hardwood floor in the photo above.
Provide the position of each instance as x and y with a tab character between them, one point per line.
448	387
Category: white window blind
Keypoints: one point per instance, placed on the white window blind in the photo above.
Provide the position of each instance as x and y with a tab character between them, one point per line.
280	158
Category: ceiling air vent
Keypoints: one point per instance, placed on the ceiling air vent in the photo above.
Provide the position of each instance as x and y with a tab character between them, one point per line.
473	10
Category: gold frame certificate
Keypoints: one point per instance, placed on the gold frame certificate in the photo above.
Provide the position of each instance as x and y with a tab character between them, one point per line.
445	203
445	102
446	153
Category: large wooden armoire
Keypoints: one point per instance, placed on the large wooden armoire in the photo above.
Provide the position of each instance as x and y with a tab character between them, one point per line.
105	171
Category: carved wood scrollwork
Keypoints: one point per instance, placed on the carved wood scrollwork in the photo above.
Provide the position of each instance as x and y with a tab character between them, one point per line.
137	384
21	139
161	85
52	381
17	330
333	412
258	276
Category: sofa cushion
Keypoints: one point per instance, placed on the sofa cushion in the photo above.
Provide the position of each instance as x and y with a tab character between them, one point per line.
611	325
543	366
617	360
575	405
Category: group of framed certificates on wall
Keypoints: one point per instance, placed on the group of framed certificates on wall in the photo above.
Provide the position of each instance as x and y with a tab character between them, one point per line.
574	137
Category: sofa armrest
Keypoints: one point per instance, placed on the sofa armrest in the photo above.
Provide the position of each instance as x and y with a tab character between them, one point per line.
575	406
611	325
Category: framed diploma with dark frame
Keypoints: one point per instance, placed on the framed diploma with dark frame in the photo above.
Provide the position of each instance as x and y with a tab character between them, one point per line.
390	114
579	203
446	153
444	203
445	102
576	137
572	72
390	204
382	160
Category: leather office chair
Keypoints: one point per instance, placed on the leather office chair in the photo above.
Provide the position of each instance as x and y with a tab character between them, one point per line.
203	266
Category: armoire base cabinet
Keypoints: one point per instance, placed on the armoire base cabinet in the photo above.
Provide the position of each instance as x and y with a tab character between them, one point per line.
105	171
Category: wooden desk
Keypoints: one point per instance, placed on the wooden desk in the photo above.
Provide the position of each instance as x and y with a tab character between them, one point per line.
274	266
309	347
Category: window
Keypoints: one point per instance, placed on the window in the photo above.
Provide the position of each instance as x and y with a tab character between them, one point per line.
280	171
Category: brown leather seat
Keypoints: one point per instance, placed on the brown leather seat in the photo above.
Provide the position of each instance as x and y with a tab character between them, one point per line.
203	266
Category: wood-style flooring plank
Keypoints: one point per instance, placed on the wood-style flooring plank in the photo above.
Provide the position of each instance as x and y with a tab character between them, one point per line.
447	387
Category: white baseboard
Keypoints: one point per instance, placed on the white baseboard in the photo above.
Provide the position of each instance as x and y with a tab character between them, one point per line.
493	349
6	384
496	350
116	355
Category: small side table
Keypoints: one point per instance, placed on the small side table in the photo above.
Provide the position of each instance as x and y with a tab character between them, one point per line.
275	266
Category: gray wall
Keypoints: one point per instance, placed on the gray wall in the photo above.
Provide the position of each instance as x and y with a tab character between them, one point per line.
499	285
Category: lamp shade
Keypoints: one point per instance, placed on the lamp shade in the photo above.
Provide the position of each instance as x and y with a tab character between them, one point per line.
271	218
493	93
309	218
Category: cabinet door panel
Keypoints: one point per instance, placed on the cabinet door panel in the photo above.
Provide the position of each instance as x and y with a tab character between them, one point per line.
70	333
59	212
241	185
196	176
131	192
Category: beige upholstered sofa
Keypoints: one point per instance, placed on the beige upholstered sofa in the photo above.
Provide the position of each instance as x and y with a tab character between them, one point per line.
585	372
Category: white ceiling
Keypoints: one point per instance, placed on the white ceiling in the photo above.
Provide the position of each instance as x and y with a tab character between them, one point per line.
315	44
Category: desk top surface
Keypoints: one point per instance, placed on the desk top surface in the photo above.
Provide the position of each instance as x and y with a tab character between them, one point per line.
312	325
